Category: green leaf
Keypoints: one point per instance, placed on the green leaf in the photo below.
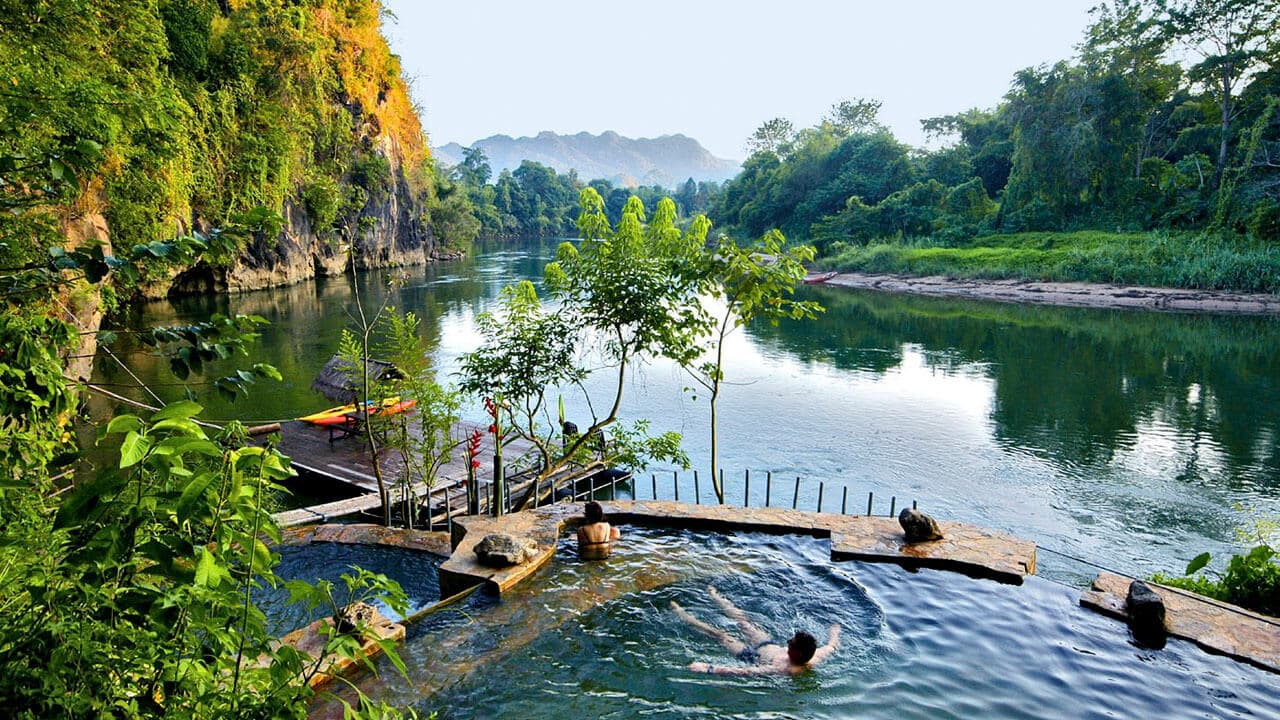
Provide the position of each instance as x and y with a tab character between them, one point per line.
133	449
180	409
124	423
267	371
204	568
183	425
192	494
1197	562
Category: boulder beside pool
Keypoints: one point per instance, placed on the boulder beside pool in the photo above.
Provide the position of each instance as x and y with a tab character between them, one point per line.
918	527
1146	614
499	550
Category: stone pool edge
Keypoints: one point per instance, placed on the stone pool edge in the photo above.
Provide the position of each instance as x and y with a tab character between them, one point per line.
1216	627
965	548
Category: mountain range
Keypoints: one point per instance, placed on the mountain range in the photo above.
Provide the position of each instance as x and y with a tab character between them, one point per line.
667	160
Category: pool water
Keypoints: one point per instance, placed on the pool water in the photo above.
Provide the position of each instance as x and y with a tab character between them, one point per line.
598	639
415	571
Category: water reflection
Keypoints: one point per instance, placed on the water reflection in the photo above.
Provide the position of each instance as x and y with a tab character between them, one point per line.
1194	395
1123	436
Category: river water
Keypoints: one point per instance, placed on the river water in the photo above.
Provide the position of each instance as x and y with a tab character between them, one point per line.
1133	440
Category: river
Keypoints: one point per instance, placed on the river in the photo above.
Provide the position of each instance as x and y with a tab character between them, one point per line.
1132	440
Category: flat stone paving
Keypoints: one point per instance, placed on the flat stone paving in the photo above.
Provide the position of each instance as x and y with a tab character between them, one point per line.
1213	625
436	543
965	548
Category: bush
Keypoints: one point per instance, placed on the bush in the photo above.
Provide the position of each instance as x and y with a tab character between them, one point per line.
372	172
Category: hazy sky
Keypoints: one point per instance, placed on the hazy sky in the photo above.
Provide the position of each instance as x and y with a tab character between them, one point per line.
714	70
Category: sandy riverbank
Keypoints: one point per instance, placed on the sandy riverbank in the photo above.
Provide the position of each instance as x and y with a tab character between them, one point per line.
1069	293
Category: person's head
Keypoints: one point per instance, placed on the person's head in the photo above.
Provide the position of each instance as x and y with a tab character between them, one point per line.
593	512
801	647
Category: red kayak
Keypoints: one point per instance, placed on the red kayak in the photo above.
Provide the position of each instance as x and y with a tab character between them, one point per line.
818	279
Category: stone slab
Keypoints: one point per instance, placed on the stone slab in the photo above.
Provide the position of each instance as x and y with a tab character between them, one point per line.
1215	626
542	525
966	548
434	542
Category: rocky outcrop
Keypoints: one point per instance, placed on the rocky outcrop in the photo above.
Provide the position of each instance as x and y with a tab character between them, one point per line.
388	232
81	302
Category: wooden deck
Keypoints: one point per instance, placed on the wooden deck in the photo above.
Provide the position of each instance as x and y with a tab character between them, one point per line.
346	460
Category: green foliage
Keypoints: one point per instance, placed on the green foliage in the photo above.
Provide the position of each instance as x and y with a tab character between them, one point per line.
1251	580
627	293
187	27
1121	138
753	282
425	438
127	592
1154	259
156	114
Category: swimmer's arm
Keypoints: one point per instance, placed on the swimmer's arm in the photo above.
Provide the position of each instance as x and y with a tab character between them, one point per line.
833	644
614	533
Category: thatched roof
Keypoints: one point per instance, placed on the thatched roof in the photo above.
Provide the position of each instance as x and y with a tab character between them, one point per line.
340	380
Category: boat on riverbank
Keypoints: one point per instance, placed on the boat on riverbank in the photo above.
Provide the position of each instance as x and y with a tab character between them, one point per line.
337	415
818	279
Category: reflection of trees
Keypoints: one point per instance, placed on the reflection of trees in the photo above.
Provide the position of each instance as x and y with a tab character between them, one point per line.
307	319
1076	384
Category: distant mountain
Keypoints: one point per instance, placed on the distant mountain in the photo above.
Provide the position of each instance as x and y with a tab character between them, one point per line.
667	161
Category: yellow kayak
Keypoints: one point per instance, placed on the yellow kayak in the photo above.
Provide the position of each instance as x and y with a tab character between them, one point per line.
334	415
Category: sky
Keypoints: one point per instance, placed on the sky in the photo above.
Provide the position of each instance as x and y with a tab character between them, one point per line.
711	70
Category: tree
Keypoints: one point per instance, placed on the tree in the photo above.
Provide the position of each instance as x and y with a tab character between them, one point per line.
1234	38
854	116
626	294
771	137
425	439
753	282
687	197
1123	51
474	169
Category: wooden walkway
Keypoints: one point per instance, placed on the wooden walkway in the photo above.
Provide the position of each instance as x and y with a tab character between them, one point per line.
346	461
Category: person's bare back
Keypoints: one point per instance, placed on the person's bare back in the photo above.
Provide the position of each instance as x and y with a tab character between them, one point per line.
764	657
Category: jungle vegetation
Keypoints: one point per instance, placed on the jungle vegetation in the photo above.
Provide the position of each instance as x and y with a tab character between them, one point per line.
1152	157
535	201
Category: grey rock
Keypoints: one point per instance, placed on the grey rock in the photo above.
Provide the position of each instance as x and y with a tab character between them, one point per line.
918	527
350	617
1146	614
498	550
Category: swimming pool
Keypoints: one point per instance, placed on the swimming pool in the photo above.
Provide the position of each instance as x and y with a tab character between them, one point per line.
414	570
585	639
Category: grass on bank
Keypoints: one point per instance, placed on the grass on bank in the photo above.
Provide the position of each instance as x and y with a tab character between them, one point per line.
1160	259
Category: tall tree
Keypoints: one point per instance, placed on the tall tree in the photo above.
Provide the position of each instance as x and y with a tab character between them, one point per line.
854	116
771	136
626	293
755	281
1123	51
1235	39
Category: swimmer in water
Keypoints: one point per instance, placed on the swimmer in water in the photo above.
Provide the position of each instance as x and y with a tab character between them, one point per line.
763	655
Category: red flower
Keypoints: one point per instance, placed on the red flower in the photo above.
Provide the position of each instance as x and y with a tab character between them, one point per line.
475	464
493	429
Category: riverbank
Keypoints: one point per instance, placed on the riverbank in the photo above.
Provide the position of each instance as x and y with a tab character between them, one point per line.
1072	294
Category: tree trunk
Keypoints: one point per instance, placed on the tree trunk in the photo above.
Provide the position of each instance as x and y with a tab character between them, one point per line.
1225	130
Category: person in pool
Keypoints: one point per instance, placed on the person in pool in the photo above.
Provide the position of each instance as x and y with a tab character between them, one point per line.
595	536
762	655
